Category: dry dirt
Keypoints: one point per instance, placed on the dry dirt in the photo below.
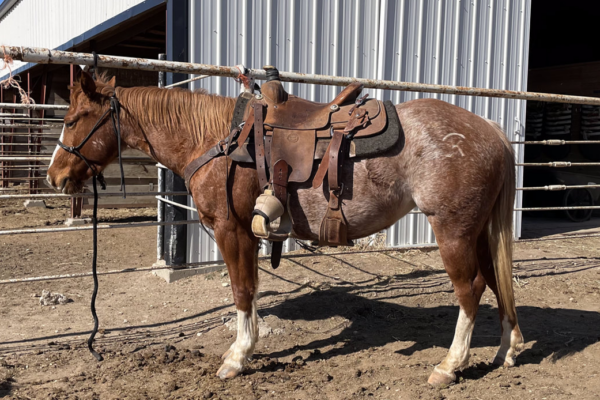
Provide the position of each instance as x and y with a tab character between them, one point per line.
361	324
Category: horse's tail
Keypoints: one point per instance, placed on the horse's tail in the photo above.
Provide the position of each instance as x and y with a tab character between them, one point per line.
500	231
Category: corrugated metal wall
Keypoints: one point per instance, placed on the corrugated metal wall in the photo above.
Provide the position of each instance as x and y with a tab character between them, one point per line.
480	43
44	23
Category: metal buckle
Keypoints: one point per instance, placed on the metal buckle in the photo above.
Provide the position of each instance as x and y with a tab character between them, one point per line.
339	193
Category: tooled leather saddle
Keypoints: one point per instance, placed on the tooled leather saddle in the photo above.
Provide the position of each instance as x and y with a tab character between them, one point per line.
284	135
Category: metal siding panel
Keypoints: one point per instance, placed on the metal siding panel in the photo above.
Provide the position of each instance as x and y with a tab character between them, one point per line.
57	21
453	42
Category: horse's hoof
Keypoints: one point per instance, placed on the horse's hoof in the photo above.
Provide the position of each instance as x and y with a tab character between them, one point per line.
438	378
228	372
226	354
506	363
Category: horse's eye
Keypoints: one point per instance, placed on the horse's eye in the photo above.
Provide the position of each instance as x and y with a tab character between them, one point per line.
70	124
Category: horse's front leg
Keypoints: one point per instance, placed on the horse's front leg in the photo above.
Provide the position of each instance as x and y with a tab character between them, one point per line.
240	252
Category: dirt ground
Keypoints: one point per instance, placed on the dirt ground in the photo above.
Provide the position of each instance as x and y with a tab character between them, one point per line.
335	326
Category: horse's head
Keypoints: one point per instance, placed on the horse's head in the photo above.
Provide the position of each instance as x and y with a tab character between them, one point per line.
90	100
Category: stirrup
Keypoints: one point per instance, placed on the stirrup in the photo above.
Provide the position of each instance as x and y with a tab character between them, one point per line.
271	220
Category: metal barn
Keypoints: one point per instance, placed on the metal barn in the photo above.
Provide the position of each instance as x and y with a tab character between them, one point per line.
454	42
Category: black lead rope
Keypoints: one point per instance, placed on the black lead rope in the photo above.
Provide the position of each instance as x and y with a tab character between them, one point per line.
94	273
114	111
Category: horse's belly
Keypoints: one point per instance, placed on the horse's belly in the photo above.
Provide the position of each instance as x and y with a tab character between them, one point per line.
374	198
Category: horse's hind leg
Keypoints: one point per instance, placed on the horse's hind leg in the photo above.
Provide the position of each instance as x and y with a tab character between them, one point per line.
460	260
512	339
239	251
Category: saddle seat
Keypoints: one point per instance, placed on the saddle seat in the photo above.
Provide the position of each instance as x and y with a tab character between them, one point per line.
291	112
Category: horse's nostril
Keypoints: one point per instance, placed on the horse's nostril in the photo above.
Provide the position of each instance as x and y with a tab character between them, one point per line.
63	183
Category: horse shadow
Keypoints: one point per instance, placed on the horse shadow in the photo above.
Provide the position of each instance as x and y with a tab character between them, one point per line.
6	386
375	322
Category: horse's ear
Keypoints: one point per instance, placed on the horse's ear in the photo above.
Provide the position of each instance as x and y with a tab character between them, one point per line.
112	82
88	86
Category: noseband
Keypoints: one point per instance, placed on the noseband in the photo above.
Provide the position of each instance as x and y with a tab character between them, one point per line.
114	110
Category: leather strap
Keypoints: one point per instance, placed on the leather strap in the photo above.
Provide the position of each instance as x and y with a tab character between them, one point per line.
334	228
247	128
276	254
280	181
322	170
268	142
259	145
194	166
335	159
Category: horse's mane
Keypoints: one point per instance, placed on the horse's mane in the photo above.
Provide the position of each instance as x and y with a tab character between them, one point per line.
205	116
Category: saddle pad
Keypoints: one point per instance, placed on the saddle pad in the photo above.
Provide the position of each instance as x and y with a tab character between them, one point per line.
297	148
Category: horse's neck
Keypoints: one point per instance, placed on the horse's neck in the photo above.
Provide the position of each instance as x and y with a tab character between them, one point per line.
174	146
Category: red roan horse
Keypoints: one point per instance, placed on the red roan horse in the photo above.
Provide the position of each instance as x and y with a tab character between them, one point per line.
457	167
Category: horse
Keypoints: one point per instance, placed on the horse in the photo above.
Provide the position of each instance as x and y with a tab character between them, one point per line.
456	167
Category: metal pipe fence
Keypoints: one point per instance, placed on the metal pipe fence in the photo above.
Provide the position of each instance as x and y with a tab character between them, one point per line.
557	142
30	126
34	106
87	195
49	56
88	228
40	55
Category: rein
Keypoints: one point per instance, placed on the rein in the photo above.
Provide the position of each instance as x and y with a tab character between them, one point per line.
114	111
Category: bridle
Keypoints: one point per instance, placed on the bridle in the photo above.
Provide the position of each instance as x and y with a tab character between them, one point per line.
114	111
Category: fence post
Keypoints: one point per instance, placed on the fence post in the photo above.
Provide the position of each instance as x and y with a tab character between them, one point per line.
175	236
160	211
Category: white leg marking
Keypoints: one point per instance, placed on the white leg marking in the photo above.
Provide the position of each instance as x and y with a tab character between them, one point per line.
62	136
458	356
247	335
510	344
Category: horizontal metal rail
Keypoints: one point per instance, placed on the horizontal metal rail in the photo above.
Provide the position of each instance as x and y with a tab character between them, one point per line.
86	195
176	204
32	134
554	188
42	119
559	164
558	208
33	106
24	178
47	158
48	56
88	228
13	115
556	142
186	81
112	272
30	126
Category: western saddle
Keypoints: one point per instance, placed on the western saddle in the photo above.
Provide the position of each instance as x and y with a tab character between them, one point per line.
290	135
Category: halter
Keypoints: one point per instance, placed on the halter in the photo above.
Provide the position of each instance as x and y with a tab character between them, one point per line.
114	110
